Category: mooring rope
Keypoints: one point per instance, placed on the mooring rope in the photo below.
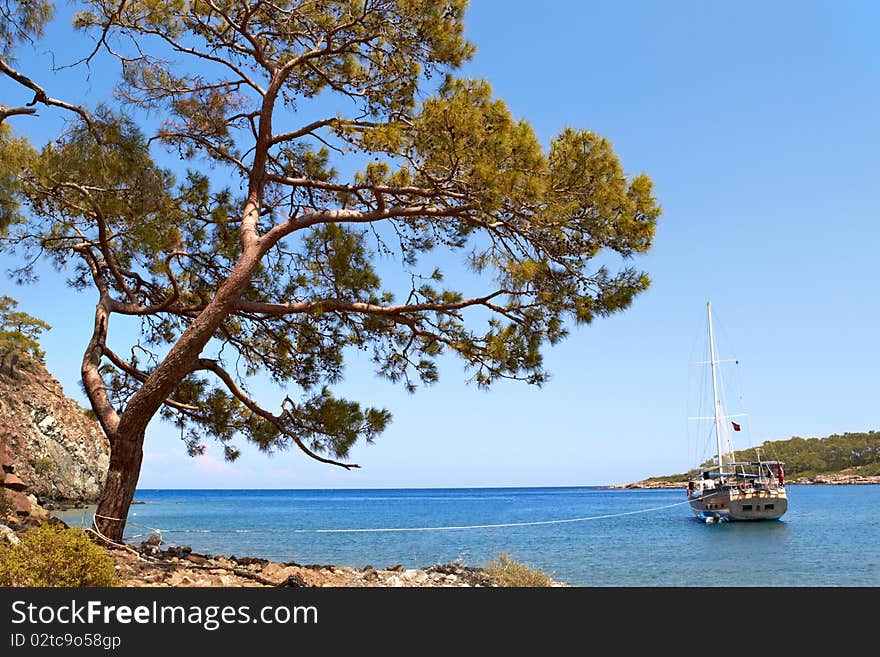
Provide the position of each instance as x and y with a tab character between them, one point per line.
97	532
366	530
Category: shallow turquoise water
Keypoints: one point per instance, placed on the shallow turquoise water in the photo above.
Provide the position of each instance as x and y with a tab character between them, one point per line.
830	535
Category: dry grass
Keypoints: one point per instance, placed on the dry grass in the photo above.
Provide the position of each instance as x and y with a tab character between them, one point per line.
506	571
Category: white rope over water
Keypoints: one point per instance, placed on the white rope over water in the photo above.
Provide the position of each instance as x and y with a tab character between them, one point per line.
533	523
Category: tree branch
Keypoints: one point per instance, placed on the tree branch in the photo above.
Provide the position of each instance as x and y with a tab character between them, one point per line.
271	237
93	383
40	95
196	53
140	375
422	192
323	123
103	239
332	305
6	112
250	404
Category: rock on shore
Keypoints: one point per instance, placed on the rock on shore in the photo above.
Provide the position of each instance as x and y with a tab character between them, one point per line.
651	484
148	565
837	479
832	479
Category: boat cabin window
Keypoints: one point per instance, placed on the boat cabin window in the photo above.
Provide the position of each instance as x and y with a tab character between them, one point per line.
768	506
747	507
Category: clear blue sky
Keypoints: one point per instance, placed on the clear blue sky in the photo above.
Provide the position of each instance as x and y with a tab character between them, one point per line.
759	124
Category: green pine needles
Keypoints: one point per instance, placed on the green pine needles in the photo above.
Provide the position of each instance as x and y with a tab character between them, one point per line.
250	241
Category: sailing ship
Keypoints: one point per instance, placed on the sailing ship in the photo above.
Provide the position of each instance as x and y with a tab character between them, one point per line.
728	489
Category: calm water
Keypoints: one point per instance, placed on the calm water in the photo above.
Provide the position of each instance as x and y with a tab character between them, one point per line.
830	535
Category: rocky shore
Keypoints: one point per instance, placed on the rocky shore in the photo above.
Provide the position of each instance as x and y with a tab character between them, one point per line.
837	479
149	565
827	479
650	484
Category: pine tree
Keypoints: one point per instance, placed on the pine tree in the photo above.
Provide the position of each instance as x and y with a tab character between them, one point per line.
319	140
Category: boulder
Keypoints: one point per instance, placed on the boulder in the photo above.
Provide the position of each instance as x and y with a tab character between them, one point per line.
6	534
178	550
26	508
14	482
415	576
180	578
295	581
278	574
152	540
20	503
249	561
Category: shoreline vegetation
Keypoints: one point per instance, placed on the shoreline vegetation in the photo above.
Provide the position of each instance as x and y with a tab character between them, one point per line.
33	540
830	480
30	553
838	459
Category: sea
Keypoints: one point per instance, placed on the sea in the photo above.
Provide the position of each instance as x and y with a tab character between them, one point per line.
583	536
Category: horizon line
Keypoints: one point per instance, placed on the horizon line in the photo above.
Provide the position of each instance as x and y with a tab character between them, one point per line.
395	487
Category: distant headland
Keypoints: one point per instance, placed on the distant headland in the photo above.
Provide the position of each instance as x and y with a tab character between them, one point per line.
849	458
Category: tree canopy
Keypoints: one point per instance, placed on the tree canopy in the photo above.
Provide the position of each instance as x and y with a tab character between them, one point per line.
276	182
856	453
19	334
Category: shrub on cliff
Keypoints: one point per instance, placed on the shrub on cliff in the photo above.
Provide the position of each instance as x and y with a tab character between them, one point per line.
51	556
506	571
19	335
43	465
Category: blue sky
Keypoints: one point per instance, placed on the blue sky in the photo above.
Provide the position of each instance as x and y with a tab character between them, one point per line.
758	123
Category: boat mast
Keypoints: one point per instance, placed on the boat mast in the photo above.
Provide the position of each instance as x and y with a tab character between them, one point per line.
713	362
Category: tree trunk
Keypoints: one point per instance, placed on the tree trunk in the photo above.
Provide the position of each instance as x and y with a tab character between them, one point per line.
126	432
126	455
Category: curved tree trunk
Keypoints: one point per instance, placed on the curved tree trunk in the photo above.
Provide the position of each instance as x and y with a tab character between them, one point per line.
126	431
126	455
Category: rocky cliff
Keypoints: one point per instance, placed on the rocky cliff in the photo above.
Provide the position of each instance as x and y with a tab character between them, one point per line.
53	450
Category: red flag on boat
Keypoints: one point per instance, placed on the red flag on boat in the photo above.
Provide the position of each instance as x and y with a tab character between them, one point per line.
735	426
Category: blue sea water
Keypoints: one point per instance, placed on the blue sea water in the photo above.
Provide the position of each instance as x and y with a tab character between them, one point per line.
830	535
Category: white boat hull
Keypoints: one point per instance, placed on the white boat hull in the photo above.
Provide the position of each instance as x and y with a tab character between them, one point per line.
734	505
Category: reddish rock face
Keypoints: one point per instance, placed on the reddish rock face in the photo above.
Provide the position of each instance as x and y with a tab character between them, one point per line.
13	482
20	503
40	426
5	459
26	511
